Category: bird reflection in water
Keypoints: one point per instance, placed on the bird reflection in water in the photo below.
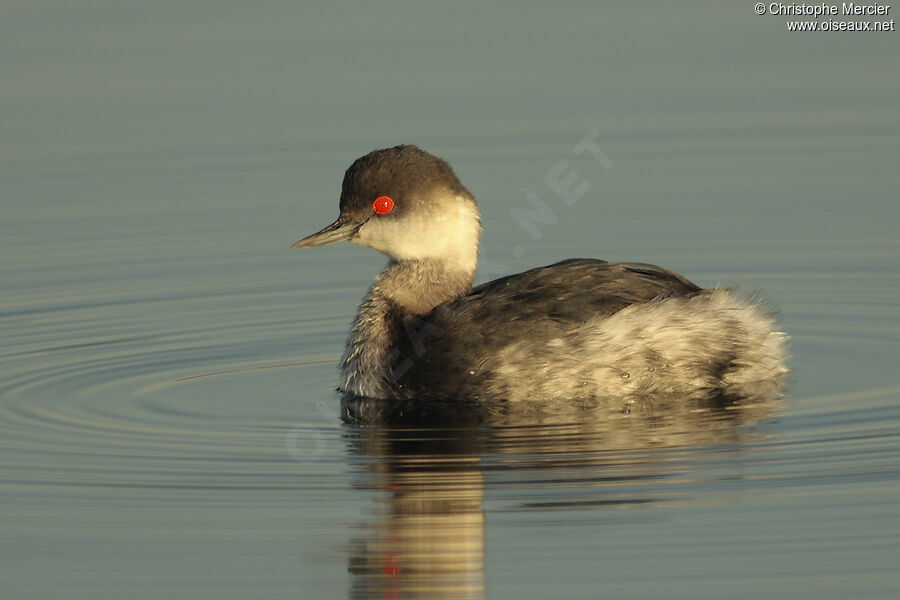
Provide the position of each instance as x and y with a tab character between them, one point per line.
425	536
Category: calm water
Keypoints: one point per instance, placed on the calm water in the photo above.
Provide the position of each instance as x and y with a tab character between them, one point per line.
168	420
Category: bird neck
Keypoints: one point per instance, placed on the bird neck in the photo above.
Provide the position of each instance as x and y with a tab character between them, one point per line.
402	292
415	287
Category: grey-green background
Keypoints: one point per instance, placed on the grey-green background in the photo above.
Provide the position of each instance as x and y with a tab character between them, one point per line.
157	160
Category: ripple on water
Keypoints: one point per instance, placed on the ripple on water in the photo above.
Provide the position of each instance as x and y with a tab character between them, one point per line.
105	394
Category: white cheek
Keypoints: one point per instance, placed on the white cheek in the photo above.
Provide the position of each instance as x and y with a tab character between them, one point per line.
452	235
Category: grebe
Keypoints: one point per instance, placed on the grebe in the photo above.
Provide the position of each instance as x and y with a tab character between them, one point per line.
579	331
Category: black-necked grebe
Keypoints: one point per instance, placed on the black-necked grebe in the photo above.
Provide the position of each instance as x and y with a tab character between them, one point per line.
576	331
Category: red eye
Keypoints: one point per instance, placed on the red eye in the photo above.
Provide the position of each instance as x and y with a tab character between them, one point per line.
383	205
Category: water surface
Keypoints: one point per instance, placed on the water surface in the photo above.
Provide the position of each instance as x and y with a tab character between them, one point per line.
168	419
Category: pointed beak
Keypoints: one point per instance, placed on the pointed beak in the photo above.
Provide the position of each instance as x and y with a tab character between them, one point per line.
338	231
